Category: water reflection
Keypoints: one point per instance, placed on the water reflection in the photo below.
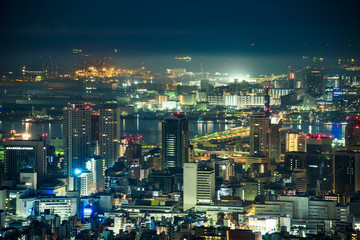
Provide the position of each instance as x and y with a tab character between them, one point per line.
150	129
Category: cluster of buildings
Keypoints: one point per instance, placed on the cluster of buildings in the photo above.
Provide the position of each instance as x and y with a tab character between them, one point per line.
105	186
268	182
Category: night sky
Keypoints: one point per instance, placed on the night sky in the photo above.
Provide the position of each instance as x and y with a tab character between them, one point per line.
144	29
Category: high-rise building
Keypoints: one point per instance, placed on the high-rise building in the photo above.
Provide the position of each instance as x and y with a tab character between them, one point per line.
318	144
86	183
315	82
347	172
77	136
175	141
190	189
319	168
259	134
24	154
199	184
295	142
275	143
109	134
205	193
352	134
96	165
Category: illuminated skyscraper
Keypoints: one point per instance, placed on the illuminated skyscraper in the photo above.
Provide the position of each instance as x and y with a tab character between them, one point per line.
199	184
295	142
259	134
77	136
275	142
352	134
315	82
109	134
19	155
347	172
175	141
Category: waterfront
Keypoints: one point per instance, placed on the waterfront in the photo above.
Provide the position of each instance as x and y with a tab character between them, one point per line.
150	129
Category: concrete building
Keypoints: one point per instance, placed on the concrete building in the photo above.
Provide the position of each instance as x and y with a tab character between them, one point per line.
199	185
297	207
109	133
259	134
77	136
24	154
65	207
352	134
275	143
347	172
205	193
295	142
175	141
97	167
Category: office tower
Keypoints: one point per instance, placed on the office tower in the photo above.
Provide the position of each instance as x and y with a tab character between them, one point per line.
259	134
96	165
205	192
318	144
295	142
319	168
199	184
352	134
86	183
77	136
23	154
190	188
347	172
109	134
315	82
275	142
175	141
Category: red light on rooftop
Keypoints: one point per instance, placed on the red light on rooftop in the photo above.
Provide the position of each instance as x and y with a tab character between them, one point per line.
307	137
357	127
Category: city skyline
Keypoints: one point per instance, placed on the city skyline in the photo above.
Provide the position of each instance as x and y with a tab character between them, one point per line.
180	120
